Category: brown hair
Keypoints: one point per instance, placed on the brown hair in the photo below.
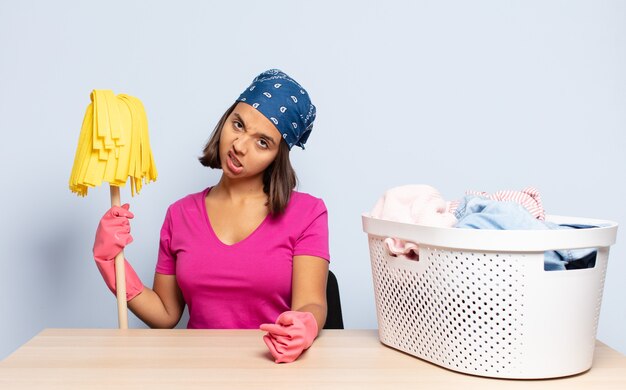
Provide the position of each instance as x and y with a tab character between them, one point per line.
279	179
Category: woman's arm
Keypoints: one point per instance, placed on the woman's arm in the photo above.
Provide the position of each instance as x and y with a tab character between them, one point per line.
309	277
162	306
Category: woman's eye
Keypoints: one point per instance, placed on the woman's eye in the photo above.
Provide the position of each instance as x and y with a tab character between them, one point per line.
237	125
263	143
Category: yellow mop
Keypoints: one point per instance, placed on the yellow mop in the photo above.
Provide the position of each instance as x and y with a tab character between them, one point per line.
113	146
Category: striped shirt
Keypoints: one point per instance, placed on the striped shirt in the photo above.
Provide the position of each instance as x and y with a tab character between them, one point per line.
528	197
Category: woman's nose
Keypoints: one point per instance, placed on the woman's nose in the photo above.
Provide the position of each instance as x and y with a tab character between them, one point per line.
239	144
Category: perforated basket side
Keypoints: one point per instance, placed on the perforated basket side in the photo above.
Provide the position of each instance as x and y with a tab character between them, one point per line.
480	301
460	310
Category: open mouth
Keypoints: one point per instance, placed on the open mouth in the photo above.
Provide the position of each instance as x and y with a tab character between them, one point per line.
234	160
233	163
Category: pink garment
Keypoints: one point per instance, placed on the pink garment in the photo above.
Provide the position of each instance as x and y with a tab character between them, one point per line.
528	197
396	246
418	204
243	285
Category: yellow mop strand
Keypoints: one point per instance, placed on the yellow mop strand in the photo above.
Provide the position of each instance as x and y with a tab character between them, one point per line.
113	144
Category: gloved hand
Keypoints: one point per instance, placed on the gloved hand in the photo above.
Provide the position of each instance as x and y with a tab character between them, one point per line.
293	332
112	235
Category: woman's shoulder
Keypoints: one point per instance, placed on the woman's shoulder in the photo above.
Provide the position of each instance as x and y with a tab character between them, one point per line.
304	198
303	211
195	199
302	202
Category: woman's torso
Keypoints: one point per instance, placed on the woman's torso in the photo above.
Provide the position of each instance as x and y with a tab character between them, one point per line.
238	277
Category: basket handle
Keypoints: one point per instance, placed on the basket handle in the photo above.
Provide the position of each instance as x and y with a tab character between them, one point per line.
398	247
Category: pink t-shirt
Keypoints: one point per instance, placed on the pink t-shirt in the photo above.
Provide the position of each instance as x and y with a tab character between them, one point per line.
243	285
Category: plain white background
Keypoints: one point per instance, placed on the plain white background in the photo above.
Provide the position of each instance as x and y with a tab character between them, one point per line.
482	95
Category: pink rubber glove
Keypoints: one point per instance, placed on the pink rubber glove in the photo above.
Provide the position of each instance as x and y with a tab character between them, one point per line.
293	332
112	236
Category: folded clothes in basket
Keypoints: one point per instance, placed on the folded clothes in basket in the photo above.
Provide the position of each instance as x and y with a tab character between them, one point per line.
502	210
418	204
479	212
529	197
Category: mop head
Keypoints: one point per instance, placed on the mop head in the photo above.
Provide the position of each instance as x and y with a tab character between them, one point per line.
113	145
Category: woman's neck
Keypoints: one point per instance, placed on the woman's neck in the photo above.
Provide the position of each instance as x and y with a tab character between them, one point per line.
239	190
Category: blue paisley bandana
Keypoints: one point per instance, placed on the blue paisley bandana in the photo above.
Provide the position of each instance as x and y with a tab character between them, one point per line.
284	102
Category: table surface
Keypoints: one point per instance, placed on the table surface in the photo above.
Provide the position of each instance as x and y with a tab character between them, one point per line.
238	359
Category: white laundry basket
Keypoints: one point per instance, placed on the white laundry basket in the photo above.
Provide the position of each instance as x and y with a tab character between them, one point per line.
480	302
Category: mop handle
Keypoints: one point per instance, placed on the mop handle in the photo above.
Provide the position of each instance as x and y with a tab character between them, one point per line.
120	275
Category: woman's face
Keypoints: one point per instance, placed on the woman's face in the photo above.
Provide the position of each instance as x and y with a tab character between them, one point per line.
249	143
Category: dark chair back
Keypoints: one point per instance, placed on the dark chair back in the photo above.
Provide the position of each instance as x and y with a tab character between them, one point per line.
334	318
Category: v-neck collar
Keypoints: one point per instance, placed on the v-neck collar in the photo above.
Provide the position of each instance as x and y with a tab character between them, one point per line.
212	232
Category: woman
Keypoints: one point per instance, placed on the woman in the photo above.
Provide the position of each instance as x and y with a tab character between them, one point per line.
250	251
